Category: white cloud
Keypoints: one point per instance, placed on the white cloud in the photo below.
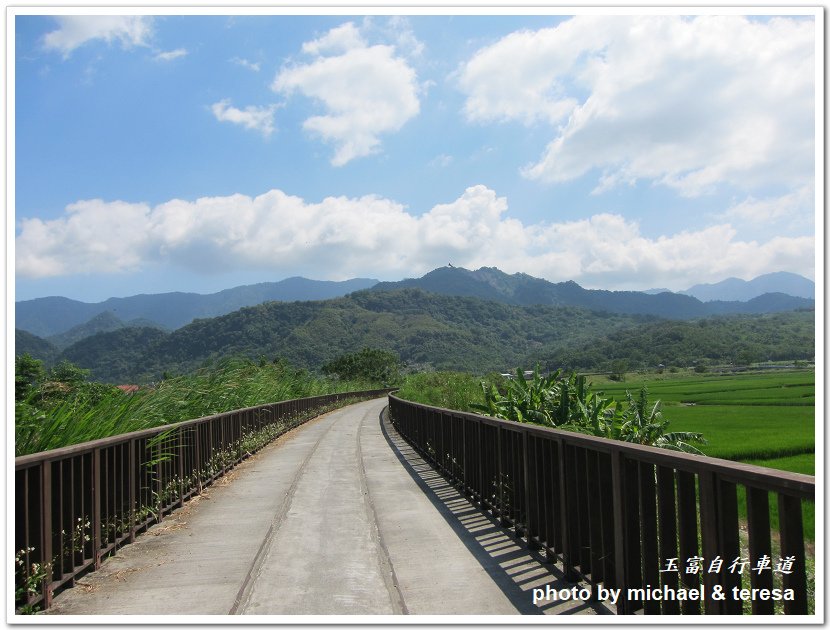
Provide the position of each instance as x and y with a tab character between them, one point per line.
689	103
367	91
342	237
259	119
99	235
340	39
250	65
395	30
794	207
170	55
76	30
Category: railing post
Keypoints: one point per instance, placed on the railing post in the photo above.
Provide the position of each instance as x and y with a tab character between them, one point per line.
709	530
180	455
568	516
792	546
500	476
133	479
687	531
760	544
97	495
624	536
531	527
46	531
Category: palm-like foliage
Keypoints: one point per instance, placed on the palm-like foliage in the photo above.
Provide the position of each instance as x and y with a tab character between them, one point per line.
524	401
567	402
644	424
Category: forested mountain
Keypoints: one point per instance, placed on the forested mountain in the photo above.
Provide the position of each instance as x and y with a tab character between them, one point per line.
489	283
27	343
55	315
426	330
103	322
737	339
435	331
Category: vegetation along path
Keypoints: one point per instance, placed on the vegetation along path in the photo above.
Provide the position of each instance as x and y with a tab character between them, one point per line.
338	516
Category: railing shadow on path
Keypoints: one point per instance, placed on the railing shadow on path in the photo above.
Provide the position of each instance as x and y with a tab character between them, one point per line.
514	568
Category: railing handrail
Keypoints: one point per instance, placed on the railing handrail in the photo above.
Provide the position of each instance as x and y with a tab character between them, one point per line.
78	503
615	513
795	484
23	461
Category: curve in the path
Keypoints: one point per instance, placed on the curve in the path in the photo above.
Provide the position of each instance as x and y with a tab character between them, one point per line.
336	517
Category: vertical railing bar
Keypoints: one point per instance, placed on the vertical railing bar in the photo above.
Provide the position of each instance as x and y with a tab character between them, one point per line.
606	499
791	530
729	544
46	530
648	528
687	530
592	479
709	530
760	545
667	523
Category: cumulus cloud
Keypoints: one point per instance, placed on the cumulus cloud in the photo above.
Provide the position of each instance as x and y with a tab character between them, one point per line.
338	40
366	91
76	30
259	119
341	237
686	102
170	55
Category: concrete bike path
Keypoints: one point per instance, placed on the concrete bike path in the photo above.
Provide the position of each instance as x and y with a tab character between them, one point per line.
337	517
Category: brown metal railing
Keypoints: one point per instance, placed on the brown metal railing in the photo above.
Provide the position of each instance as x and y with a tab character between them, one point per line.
75	505
624	516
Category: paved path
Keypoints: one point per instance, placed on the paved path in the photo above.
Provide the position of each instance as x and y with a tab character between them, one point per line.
339	517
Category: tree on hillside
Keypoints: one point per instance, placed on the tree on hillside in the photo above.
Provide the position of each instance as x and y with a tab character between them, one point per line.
28	374
370	364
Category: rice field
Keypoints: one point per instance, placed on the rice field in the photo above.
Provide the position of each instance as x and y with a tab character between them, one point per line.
766	419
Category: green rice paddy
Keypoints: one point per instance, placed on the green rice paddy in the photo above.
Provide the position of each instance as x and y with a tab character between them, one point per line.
763	419
766	419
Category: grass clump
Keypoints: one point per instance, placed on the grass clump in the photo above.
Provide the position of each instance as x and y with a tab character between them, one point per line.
449	390
60	407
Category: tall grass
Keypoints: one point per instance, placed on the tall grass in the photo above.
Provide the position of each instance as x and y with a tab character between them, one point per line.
450	390
227	385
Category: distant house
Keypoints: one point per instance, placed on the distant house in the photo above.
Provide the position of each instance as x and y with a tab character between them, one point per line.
128	389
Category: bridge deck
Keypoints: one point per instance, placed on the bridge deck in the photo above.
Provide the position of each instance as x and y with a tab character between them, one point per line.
336	517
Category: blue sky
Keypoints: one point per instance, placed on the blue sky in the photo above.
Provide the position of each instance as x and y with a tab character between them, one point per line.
196	153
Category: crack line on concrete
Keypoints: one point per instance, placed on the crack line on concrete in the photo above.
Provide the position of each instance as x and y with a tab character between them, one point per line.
244	594
387	568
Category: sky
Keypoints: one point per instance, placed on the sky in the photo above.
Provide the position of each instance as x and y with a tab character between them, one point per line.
156	153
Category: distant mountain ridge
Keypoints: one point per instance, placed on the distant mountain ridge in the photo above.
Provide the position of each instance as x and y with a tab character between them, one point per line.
50	316
735	289
63	321
103	322
430	331
489	283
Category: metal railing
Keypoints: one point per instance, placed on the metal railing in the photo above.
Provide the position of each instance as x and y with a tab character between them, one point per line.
624	516
75	505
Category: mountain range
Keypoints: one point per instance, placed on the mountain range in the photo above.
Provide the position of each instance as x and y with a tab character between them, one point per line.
489	283
49	316
743	290
432	331
63	321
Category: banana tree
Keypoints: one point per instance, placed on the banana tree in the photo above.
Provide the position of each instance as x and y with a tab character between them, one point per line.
644	424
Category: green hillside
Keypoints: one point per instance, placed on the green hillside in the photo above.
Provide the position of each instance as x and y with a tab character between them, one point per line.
429	331
425	330
738	339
